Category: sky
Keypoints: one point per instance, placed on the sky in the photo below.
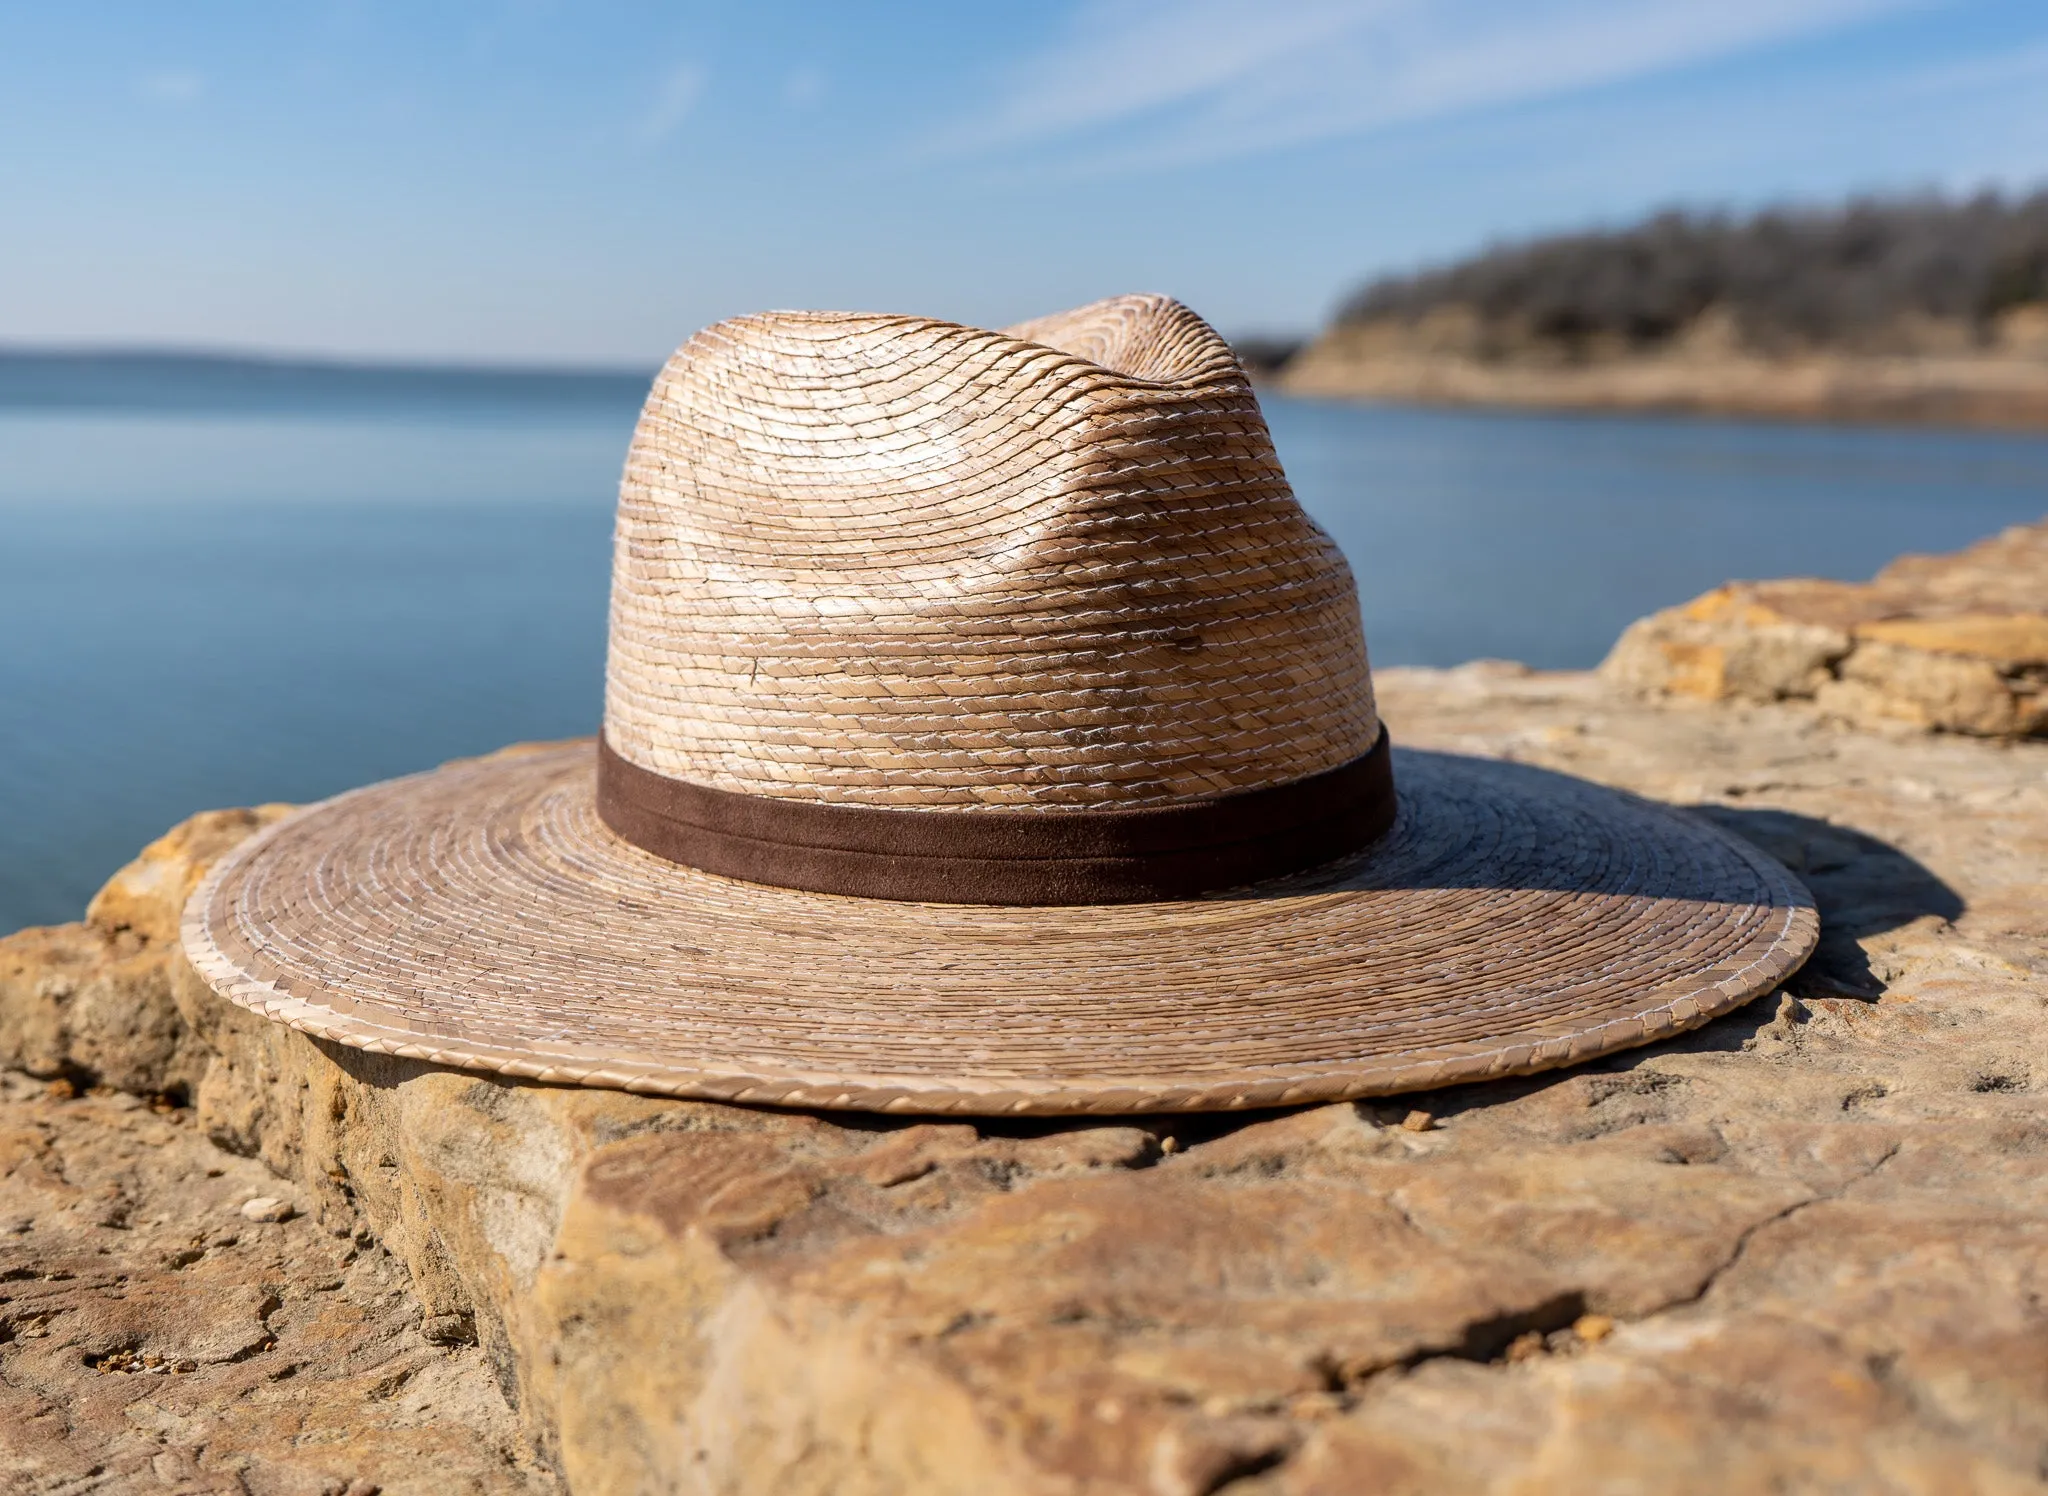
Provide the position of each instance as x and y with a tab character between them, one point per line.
586	184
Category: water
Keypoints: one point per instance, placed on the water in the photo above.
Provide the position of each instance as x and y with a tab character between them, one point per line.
1539	538
219	588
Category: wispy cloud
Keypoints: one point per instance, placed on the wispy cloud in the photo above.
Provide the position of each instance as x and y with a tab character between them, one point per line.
1138	83
2025	65
173	86
803	87
680	90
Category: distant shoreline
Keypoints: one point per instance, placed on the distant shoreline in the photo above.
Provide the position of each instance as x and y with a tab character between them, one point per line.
1987	392
1904	311
1994	390
59	355
173	381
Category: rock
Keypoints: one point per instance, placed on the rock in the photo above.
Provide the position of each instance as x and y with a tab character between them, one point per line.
448	1329
1956	643
91	1003
1801	1248
145	899
1730	643
265	1208
181	1349
1950	691
1592	1328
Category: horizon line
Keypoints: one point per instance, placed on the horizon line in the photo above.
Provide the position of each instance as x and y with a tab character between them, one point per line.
289	361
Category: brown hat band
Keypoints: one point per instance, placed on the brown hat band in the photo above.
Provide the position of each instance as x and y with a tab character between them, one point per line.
994	857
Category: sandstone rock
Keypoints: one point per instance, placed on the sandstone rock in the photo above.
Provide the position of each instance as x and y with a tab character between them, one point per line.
1929	688
93	1000
1729	643
79	1005
1805	1247
150	1339
145	899
1957	643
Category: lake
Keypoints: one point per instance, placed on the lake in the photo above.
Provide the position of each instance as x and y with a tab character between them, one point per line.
220	586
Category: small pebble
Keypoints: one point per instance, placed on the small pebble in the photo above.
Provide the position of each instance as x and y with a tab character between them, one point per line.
1417	1122
1169	1145
265	1208
1316	1404
1526	1346
1593	1328
448	1329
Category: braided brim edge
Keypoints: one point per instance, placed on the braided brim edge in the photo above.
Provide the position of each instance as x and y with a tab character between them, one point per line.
1778	929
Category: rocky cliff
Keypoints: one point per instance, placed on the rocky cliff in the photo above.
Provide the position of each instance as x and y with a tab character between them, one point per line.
1805	1247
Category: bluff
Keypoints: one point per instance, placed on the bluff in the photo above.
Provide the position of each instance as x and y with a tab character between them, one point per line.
1919	310
1804	1247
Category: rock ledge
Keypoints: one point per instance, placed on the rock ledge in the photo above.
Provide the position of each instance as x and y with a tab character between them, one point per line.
1958	643
1805	1247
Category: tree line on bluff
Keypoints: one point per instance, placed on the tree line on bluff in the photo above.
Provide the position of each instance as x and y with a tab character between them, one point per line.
1860	277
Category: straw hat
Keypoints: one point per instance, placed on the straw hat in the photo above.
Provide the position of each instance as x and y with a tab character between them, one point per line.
986	729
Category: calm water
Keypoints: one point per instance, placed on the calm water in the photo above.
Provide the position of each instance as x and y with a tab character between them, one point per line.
217	588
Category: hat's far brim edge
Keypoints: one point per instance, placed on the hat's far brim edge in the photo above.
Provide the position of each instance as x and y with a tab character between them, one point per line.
1680	1006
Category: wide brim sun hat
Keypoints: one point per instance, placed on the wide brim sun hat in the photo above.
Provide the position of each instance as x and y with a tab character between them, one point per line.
987	730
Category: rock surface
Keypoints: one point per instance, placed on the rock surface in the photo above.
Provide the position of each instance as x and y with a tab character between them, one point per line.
1956	642
92	1001
1804	1248
156	1335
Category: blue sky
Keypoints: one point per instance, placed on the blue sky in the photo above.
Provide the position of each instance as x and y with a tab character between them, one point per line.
587	183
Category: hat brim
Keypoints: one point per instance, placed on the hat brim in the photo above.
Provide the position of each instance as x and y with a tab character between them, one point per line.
482	916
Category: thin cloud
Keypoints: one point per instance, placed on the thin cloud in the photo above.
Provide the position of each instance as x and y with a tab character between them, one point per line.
2026	65
677	97
1148	83
804	87
173	86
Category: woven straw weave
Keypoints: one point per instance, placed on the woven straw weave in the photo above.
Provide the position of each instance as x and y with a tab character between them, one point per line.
1513	920
891	561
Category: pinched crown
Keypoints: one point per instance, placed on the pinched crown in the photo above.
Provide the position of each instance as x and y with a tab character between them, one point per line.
878	560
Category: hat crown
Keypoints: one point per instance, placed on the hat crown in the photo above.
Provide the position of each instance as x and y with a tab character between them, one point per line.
891	561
